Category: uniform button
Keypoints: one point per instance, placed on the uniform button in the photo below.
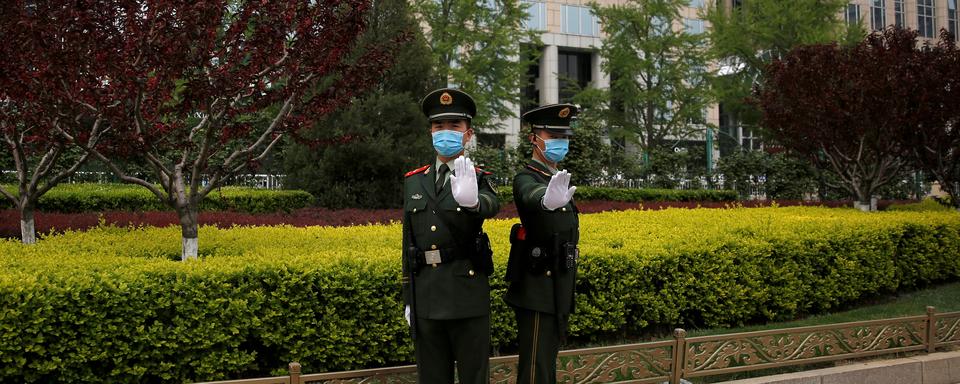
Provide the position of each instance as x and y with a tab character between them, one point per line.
548	273
434	246
458	209
433	228
471	273
434	265
414	210
563	209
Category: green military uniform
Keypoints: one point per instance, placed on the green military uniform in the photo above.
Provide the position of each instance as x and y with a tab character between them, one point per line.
446	267
542	268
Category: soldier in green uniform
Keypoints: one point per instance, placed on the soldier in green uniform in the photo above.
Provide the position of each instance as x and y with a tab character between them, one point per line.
541	271
447	259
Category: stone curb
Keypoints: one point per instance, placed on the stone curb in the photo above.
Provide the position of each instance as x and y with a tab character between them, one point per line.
935	368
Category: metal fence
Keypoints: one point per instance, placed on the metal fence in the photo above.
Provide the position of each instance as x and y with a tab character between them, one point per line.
689	357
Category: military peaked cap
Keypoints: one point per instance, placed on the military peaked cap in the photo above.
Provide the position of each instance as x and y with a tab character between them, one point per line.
556	118
448	104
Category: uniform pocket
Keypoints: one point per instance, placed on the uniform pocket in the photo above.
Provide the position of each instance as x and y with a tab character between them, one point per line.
415	206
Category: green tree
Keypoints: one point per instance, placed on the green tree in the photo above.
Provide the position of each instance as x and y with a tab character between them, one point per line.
356	157
659	85
475	45
748	37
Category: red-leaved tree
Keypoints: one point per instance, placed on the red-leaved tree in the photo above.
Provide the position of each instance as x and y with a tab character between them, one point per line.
849	106
195	91
46	76
935	144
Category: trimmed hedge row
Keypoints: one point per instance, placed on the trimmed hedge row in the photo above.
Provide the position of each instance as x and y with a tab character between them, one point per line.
585	193
75	198
110	305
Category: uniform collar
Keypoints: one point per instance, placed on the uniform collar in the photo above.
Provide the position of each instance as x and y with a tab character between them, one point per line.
437	162
539	164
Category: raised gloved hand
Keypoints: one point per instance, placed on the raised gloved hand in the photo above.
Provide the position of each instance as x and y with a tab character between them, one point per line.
558	194
464	184
406	314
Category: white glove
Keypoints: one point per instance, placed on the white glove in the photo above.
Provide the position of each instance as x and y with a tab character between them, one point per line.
406	314
464	184
558	194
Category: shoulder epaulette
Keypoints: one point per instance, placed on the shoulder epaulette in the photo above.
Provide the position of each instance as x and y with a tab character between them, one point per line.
416	171
483	172
537	170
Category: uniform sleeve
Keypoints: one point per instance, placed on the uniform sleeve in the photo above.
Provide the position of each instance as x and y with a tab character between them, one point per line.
405	259
528	190
489	203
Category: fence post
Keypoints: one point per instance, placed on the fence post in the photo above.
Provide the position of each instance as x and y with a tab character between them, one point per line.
679	355
294	373
931	329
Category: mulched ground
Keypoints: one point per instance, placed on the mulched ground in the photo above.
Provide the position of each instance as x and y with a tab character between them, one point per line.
58	222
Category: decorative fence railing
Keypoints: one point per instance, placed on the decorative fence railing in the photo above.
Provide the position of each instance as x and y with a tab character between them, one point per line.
683	357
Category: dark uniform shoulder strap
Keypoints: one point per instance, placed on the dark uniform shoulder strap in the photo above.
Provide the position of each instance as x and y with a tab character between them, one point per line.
416	171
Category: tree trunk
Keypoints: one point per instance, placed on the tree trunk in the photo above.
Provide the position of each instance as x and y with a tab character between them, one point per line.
188	231
28	233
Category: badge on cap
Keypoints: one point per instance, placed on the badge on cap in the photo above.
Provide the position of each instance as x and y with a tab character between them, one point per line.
446	99
564	112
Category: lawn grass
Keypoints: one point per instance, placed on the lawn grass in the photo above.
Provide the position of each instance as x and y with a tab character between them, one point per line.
945	297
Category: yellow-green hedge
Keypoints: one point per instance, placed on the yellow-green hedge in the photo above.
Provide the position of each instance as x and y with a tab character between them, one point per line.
110	304
74	198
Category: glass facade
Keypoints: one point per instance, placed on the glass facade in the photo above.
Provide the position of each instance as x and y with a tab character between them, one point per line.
926	24
574	72
952	17
536	16
878	15
693	26
578	21
900	19
853	13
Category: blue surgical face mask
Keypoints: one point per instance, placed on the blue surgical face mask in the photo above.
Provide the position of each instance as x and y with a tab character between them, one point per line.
555	149
447	142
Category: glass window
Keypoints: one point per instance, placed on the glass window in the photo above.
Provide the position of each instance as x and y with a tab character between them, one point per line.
536	16
925	23
574	73
900	19
579	21
696	3
694	26
952	17
878	14
659	26
853	13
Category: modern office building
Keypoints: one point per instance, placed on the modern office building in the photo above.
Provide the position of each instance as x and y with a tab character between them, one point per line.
571	34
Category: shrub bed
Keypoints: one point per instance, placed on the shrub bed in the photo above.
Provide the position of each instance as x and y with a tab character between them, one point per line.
110	304
74	198
54	222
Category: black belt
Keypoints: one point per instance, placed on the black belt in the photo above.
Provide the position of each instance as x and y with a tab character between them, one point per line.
440	256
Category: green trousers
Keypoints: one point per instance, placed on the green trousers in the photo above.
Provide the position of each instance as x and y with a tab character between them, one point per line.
441	344
539	345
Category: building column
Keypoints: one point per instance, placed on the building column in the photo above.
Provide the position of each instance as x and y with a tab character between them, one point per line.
550	82
601	79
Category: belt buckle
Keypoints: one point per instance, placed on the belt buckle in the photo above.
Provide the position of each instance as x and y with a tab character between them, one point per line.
432	257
